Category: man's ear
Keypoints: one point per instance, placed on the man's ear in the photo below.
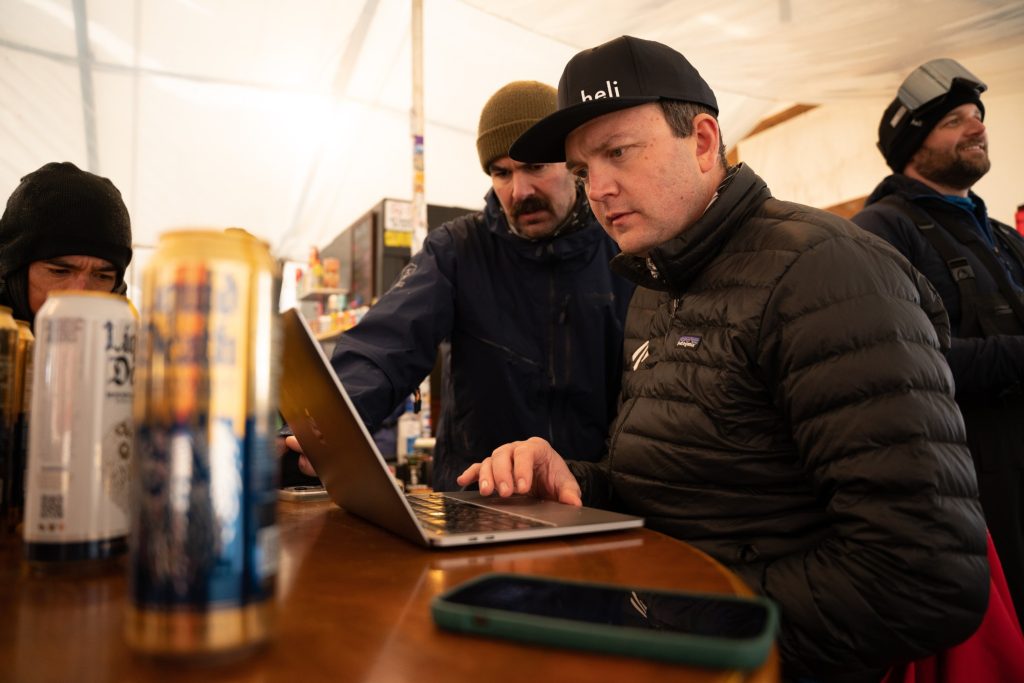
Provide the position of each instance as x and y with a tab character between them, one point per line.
707	135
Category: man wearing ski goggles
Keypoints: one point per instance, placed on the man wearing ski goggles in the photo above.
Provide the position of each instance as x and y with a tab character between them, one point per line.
927	94
933	137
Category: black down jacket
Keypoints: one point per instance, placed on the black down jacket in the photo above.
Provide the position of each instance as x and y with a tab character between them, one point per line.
787	409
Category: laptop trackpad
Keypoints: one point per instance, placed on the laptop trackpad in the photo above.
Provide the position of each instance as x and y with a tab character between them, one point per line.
549	511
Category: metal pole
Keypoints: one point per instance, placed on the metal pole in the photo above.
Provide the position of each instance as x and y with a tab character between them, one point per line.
419	200
85	65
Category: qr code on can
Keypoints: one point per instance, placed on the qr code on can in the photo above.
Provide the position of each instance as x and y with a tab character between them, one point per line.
52	507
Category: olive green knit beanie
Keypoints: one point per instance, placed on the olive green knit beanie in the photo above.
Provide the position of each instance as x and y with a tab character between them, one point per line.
508	113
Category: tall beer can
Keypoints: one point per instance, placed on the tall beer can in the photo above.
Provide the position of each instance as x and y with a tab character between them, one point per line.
204	556
8	400
15	481
80	439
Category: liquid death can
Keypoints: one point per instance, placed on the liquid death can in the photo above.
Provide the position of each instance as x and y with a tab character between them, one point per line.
8	401
80	440
204	552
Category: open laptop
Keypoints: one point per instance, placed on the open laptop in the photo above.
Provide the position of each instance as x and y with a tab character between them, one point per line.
336	441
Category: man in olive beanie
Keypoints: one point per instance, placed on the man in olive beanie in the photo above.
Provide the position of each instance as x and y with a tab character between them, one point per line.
63	228
538	201
522	293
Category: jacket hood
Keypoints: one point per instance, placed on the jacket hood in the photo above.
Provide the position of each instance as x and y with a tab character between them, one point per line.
573	242
682	258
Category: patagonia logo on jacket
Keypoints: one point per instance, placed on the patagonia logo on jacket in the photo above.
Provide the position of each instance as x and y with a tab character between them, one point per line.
688	341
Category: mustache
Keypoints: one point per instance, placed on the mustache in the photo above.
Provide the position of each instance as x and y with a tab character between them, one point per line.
529	205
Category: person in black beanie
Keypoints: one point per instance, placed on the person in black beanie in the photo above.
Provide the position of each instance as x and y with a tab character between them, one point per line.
933	137
63	228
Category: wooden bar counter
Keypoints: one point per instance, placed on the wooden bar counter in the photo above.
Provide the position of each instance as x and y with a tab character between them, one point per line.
353	607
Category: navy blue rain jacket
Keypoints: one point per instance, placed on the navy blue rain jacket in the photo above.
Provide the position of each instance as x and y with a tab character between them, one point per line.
535	331
984	366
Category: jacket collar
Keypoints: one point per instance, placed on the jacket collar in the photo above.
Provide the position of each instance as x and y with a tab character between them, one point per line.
897	183
673	265
936	203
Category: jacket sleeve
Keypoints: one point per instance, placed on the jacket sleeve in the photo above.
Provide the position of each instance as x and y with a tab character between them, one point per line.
891	225
987	365
980	365
594	482
383	359
856	369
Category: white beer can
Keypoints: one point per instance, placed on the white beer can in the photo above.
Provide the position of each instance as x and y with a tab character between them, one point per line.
80	436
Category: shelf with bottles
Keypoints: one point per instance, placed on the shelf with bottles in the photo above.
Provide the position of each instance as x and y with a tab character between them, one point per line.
331	312
320	279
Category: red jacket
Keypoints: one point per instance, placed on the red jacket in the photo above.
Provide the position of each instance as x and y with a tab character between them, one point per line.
994	654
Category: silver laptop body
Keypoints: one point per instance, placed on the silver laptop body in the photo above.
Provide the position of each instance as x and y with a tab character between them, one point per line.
334	438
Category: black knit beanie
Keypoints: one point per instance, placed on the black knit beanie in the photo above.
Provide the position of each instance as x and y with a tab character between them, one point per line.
61	210
900	134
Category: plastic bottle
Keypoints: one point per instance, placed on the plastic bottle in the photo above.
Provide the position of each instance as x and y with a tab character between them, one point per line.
410	427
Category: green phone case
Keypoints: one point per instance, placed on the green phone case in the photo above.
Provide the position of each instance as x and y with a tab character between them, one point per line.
730	653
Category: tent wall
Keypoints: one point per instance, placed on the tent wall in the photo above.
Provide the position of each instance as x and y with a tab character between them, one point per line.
291	119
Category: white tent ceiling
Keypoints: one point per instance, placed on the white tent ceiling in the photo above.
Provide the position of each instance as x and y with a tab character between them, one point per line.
292	118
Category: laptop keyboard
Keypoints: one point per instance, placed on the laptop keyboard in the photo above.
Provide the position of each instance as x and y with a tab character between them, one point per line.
439	515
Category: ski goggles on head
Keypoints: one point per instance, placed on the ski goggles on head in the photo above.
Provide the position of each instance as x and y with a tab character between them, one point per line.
930	82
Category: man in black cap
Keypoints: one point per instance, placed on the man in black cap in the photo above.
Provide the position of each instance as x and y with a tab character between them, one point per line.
63	228
933	138
523	294
785	404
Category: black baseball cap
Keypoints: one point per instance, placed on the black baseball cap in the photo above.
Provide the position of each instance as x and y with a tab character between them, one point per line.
619	74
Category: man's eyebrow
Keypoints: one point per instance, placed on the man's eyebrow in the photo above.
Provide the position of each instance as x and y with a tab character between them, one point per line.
616	139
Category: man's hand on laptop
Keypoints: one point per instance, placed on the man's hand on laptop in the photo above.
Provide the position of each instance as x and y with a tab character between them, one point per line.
305	466
530	466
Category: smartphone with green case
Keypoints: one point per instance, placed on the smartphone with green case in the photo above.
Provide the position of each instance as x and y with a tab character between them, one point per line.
702	629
